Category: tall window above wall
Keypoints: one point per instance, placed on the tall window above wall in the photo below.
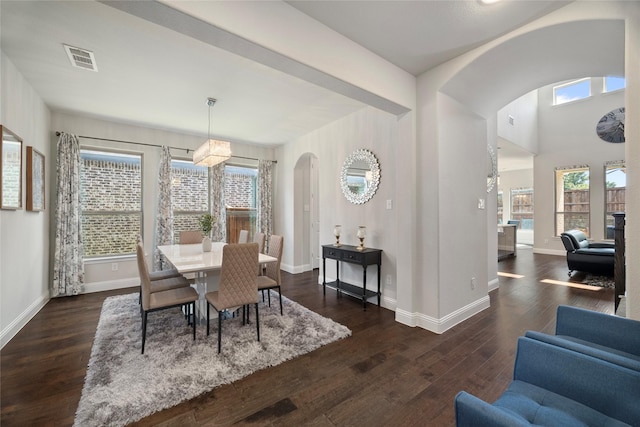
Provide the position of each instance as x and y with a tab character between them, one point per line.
190	194
613	83
240	198
572	91
522	207
111	202
615	174
572	199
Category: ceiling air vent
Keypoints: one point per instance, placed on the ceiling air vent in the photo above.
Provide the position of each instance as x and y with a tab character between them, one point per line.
81	58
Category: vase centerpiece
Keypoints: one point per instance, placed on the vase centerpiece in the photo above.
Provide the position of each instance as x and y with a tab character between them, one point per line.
206	225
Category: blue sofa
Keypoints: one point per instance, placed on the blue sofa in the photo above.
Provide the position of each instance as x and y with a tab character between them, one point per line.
611	338
554	386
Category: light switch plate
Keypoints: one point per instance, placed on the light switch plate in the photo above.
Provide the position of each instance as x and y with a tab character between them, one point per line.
481	203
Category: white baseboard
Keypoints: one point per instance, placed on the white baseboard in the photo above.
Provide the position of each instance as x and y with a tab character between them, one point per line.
109	285
295	269
441	325
494	284
19	322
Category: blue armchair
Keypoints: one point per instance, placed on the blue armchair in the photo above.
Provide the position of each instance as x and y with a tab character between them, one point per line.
607	337
557	387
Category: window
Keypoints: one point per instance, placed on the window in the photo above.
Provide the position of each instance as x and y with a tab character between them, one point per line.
572	91
612	83
522	207
190	194
111	202
615	187
572	199
240	197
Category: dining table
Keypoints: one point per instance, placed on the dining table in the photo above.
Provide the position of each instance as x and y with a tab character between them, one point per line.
190	259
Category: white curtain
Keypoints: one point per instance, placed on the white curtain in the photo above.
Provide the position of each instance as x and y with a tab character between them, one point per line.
68	268
218	204
164	214
265	190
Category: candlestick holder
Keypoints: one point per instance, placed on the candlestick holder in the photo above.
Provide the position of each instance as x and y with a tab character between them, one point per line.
362	232
336	232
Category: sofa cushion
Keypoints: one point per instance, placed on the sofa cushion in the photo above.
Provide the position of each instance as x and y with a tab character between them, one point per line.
538	406
609	354
596	251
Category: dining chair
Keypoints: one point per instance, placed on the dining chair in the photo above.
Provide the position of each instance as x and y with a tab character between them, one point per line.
259	239
271	279
160	300
190	236
160	279
243	237
238	286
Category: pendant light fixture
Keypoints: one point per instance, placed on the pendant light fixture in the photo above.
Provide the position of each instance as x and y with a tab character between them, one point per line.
212	151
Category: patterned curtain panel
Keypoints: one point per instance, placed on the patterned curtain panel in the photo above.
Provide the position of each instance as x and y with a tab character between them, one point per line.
265	189
68	268
164	214
218	208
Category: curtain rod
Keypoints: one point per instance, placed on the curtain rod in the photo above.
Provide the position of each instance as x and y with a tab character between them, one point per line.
153	145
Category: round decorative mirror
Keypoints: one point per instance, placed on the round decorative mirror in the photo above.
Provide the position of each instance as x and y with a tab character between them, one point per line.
492	168
360	176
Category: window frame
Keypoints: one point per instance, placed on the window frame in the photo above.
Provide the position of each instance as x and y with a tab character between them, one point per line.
568	84
176	231
117	152
237	211
513	193
604	84
613	164
560	191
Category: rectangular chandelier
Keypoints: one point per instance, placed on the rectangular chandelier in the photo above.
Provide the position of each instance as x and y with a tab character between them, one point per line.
212	152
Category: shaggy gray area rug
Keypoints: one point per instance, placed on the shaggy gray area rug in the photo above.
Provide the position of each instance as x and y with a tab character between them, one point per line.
602	281
123	386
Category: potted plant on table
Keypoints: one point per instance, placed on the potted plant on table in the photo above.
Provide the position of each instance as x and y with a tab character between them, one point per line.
206	224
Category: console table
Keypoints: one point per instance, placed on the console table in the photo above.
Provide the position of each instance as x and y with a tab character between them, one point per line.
350	254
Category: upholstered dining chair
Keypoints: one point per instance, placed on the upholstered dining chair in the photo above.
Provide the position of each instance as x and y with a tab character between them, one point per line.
190	236
160	300
259	239
238	286
271	279
243	237
161	279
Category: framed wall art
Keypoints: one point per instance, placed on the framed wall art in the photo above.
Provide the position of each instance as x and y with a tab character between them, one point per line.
35	180
10	170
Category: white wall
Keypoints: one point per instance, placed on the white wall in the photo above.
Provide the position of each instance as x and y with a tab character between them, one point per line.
524	130
24	249
567	137
98	274
368	128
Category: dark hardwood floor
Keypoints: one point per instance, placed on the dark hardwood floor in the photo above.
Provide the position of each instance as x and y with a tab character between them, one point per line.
384	374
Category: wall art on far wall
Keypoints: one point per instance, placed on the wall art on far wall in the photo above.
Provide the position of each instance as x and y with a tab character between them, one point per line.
35	180
10	170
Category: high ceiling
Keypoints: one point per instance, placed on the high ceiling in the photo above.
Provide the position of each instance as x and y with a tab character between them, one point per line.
155	76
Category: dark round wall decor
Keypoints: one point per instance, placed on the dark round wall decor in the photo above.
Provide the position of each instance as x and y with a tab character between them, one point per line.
610	128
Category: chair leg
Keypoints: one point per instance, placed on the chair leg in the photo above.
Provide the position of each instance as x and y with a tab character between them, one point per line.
269	296
193	305
207	318
144	330
257	322
219	331
280	294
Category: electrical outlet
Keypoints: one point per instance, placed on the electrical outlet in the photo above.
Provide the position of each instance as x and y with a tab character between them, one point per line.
114	266
388	279
473	283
